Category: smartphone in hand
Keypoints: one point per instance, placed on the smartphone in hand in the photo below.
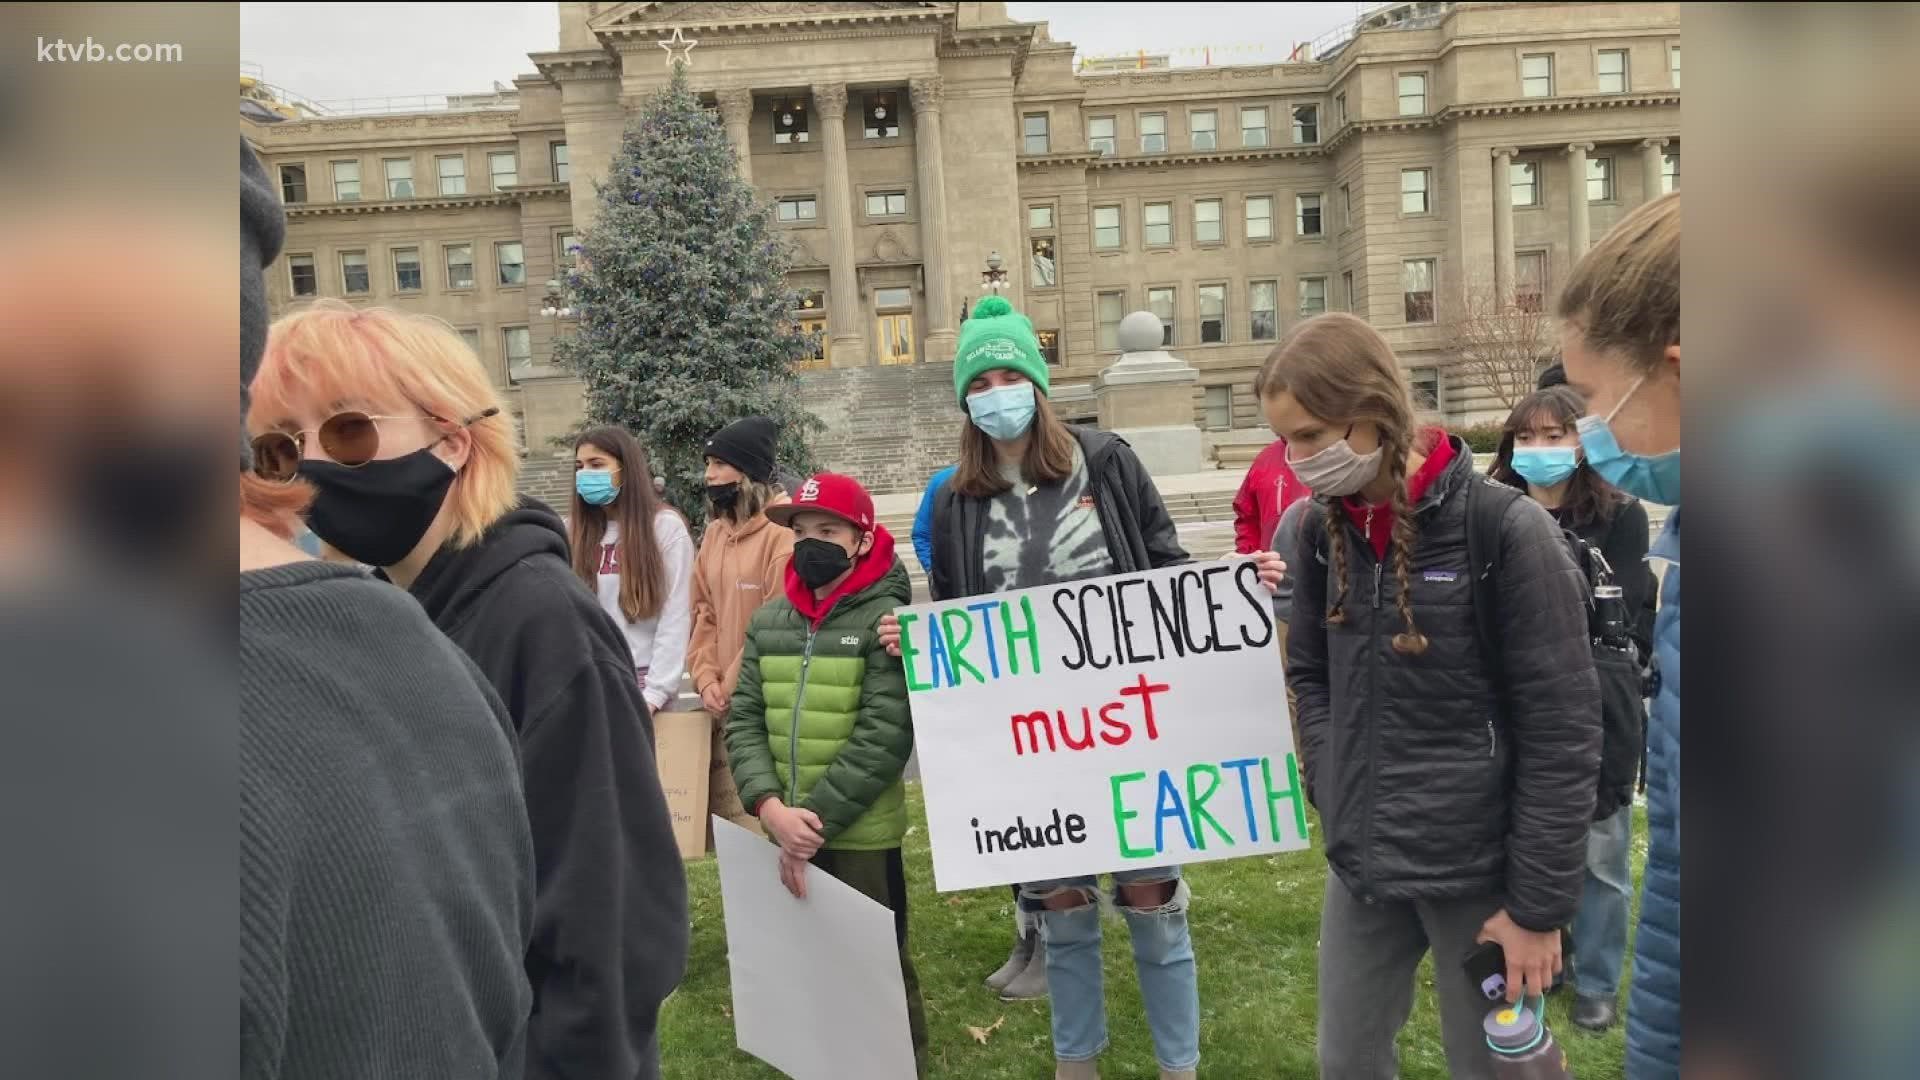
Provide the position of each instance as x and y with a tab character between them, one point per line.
1487	966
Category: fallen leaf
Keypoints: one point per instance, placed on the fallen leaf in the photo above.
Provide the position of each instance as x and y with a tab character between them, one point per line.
955	901
980	1034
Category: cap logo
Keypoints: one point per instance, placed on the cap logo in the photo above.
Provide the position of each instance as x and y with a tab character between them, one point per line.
810	491
998	349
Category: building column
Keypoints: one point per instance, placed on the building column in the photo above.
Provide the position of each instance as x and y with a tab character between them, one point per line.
1581	235
1503	224
932	176
736	112
844	324
1653	154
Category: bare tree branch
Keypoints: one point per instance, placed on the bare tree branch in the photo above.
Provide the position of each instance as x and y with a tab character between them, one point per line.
1495	343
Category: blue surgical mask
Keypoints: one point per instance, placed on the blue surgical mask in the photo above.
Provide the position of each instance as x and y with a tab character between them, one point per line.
596	486
1655	478
1545	466
1004	412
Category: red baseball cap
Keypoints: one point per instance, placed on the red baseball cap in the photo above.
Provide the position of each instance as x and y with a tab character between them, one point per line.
828	493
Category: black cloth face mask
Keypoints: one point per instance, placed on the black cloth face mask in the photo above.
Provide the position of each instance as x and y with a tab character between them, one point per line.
818	562
376	513
723	496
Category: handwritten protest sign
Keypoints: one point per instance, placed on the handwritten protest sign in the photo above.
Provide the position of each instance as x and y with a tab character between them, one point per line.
1122	722
683	745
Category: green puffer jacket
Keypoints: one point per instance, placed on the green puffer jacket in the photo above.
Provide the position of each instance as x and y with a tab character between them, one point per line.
833	702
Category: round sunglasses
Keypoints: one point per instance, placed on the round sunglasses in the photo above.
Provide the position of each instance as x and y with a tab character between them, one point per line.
350	438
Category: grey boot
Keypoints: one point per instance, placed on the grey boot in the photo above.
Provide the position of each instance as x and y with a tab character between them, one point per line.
1031	983
1076	1070
1016	962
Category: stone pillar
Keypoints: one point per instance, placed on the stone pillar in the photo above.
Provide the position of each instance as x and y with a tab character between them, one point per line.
1146	397
843	283
1503	224
1580	237
1653	154
932	176
736	112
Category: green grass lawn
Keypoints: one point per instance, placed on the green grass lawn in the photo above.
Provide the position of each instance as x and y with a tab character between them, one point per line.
1256	928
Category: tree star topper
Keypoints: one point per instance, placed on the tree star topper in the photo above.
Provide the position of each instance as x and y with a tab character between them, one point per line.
679	49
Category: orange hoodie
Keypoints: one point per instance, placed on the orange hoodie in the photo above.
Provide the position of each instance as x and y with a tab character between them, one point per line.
739	568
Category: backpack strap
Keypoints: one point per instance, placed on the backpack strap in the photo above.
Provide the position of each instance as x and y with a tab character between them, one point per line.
1487	503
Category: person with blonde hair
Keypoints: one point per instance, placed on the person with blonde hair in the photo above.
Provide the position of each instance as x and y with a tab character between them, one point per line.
391	420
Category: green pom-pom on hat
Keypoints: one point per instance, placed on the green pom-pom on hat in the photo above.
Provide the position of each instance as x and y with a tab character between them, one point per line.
997	337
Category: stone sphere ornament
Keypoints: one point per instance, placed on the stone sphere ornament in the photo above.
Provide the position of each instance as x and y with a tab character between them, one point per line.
1141	332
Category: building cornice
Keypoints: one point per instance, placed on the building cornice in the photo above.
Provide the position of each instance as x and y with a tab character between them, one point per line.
727	17
575	65
1362	127
1191	157
363	208
1583	103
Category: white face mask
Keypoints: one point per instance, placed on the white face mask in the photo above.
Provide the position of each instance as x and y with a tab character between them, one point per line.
1339	470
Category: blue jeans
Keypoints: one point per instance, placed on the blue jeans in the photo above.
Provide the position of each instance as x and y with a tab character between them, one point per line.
1162	960
1600	926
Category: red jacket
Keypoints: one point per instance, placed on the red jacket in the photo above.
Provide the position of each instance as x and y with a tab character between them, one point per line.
1270	487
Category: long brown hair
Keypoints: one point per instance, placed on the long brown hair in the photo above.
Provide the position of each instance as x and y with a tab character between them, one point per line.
1341	370
643	573
1589	499
1048	458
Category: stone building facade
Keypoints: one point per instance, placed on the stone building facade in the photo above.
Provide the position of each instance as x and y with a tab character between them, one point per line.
1430	148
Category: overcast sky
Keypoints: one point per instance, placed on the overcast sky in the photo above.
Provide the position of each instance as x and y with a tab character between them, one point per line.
333	51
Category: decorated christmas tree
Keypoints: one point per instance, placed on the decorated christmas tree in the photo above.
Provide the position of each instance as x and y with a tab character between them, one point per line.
685	314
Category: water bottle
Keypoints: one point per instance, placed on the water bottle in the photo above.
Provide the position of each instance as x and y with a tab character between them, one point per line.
1521	1046
1610	617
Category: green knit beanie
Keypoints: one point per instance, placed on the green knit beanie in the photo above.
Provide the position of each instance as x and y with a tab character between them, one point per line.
996	336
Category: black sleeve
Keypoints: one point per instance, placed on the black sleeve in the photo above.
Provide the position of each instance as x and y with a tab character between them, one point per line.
1157	532
1307	646
941	579
1553	711
1628	538
610	909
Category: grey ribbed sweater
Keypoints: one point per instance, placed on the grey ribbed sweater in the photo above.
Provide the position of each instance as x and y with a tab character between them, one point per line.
386	871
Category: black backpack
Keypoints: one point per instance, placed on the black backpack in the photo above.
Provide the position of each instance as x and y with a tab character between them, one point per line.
1623	712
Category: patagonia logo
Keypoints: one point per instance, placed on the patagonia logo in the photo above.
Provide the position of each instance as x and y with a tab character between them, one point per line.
1442	576
852	640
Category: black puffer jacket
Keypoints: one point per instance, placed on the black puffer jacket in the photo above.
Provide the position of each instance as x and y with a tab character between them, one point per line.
1432	781
1140	532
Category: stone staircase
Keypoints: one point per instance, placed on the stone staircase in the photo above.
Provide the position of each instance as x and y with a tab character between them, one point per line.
893	427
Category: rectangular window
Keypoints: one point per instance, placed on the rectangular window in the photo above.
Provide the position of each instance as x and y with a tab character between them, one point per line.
471	337
511	258
1110	308
399	178
1203	126
1340	110
1306	212
459	266
1100	136
406	269
1263	301
1414	193
1536	75
1153	133
517	344
1213	314
819	349
1599	179
1673	65
1530	280
1039	217
354	279
789	120
1346	206
1049	345
1046	273
1416	289
452	172
503	168
886	204
1206	221
1306	124
1525	179
1259	217
1156	220
1346	286
1033	131
801	208
566	250
557	160
893	299
300	272
1413	94
882	116
1106	228
1425	384
1670	171
1161	303
1253	126
1613	71
1219	408
293	184
1313	296
346	181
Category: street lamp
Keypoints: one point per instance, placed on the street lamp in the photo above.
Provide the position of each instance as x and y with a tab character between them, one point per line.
554	304
993	277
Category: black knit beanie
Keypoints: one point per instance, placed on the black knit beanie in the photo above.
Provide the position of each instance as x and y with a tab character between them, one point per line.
747	445
263	224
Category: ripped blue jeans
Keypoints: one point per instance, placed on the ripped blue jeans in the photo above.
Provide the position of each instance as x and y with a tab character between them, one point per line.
1162	961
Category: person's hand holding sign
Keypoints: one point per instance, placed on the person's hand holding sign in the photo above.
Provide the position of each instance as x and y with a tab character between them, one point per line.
793	874
795	829
1273	569
890	634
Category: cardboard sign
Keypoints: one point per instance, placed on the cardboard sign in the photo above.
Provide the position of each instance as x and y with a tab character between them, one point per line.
817	989
1118	723
683	746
